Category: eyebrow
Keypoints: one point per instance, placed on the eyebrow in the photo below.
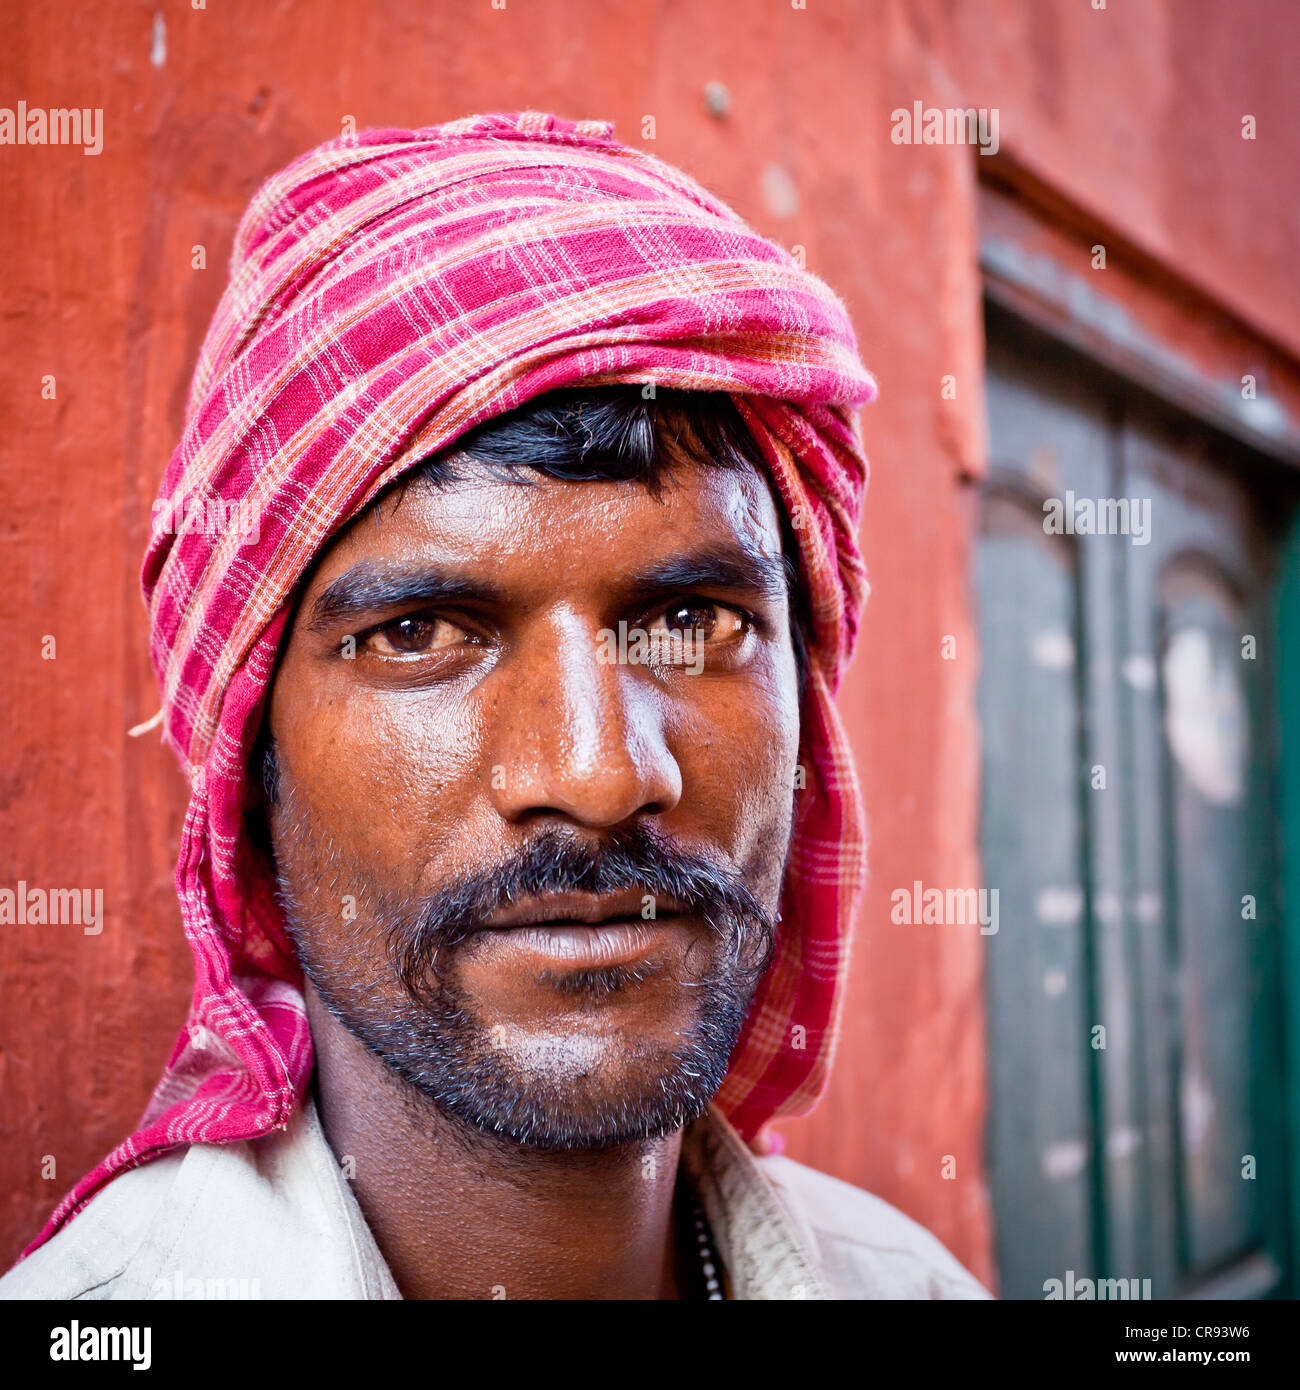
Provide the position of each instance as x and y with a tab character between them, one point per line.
737	564
370	588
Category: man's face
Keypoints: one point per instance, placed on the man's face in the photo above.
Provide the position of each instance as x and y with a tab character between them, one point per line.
467	744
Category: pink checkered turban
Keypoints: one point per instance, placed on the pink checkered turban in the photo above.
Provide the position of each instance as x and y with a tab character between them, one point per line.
389	290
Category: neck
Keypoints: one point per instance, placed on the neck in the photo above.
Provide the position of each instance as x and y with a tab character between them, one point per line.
460	1214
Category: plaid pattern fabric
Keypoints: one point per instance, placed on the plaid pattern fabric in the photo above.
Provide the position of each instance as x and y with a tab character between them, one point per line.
388	291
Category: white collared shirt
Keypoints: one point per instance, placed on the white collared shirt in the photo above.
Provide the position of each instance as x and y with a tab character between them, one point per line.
275	1218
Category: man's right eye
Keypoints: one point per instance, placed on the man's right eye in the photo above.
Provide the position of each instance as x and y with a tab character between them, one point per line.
414	637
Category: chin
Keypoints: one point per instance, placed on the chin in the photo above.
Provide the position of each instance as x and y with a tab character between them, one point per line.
569	1089
579	1117
595	1070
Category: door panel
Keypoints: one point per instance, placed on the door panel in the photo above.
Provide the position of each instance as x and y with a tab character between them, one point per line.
1196	598
1040	996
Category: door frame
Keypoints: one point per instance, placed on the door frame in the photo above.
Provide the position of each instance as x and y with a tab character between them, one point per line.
1092	290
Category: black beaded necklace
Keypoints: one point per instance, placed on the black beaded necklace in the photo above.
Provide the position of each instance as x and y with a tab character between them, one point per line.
710	1265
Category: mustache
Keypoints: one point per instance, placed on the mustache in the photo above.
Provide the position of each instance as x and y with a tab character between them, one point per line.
418	935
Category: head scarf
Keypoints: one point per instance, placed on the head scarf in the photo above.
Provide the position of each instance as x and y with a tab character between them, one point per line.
388	291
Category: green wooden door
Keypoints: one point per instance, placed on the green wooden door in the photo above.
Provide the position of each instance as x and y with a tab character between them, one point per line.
1129	823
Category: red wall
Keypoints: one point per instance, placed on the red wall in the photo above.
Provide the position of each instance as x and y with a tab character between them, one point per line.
1132	113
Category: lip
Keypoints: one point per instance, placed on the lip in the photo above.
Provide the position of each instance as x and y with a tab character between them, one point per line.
580	945
579	909
582	931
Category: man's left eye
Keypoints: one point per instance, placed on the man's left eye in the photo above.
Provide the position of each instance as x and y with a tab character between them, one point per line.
715	622
414	637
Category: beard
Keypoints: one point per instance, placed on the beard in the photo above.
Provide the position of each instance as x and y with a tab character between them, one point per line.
390	978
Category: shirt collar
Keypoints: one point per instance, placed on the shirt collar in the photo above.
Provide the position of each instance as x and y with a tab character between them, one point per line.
765	1254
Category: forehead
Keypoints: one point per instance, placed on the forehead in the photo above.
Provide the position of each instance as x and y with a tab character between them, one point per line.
547	533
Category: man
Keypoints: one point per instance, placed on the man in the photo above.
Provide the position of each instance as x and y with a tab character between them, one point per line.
524	841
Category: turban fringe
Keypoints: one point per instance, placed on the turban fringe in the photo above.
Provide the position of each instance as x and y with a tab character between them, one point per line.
389	291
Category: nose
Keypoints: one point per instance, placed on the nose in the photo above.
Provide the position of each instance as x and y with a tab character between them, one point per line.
576	734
